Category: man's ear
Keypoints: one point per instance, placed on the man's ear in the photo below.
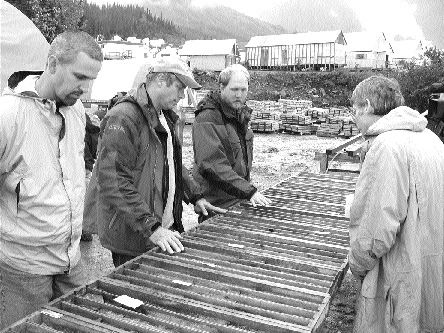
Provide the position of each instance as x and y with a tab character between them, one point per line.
52	64
369	108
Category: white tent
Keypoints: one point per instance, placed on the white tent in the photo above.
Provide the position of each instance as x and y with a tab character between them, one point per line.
22	45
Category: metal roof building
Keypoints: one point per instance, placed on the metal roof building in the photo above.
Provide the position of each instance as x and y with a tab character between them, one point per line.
212	54
310	50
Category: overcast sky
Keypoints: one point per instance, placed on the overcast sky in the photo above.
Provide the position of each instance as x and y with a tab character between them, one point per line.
393	17
409	19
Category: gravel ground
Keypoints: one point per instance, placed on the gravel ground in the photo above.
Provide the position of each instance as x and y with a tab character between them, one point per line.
276	157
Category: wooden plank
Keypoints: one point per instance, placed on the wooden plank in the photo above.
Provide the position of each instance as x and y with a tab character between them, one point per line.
155	314
235	278
236	268
116	319
76	323
240	295
321	247
185	305
31	327
271	259
299	231
334	150
211	297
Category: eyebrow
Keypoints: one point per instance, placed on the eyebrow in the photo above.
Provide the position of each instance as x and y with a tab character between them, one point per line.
83	76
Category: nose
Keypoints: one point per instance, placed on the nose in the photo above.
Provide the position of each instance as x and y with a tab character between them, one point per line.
84	86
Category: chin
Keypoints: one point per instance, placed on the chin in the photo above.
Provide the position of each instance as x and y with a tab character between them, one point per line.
70	102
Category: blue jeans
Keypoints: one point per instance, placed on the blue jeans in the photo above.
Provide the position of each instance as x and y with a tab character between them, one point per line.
22	293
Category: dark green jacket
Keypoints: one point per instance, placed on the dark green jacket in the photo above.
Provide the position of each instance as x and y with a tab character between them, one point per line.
223	151
129	185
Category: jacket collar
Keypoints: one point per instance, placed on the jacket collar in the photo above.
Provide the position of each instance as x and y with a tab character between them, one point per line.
26	89
214	101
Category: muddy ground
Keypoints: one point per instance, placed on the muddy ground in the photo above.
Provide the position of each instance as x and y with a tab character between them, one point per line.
277	157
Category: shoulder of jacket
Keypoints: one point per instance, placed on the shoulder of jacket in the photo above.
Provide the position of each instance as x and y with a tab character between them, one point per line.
127	111
11	106
210	115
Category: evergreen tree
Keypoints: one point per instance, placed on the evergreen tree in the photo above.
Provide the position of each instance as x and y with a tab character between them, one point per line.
52	16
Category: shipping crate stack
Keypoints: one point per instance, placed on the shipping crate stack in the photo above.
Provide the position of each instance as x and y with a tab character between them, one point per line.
338	124
293	106
297	124
349	128
318	115
265	115
294	118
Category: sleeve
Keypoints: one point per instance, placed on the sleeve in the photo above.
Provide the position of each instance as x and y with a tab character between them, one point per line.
90	152
379	207
211	159
192	190
8	130
87	154
116	162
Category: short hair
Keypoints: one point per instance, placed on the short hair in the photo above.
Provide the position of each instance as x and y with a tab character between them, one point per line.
168	78
383	93
225	75
67	45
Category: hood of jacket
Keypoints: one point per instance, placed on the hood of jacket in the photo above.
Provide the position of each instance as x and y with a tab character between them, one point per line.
401	118
214	101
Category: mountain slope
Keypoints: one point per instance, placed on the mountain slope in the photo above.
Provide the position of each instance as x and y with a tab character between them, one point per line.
210	22
312	15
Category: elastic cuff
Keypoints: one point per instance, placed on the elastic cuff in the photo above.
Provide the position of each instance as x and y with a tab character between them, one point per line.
196	197
155	226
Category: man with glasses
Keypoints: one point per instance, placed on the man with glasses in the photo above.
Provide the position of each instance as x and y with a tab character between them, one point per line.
397	215
139	182
42	177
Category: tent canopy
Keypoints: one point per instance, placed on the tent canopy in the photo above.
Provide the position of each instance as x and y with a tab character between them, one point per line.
22	45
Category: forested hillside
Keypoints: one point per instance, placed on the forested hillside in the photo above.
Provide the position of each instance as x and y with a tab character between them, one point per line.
129	20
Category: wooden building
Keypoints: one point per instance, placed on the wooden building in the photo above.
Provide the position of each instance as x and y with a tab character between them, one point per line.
410	50
210	55
121	49
368	50
324	50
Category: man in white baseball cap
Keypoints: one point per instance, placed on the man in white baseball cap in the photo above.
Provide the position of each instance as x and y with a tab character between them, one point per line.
172	65
138	183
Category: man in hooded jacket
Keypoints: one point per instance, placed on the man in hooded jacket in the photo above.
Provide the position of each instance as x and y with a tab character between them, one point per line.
223	142
42	177
397	216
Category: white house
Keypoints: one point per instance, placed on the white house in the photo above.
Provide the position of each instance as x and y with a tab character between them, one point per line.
407	50
211	55
167	51
367	50
310	50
